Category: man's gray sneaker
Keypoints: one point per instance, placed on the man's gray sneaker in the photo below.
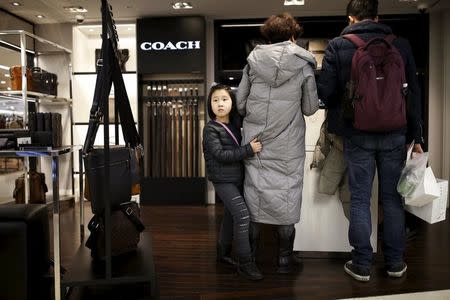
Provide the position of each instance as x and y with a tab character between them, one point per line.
358	273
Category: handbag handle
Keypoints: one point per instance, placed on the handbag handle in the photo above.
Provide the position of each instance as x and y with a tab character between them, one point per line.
110	73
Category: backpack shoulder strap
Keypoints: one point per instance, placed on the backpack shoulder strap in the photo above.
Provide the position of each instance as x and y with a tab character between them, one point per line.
355	40
390	38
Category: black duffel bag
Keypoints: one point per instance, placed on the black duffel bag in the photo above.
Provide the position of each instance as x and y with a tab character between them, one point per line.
119	191
126	228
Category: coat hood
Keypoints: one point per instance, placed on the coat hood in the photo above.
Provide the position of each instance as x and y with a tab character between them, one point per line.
277	63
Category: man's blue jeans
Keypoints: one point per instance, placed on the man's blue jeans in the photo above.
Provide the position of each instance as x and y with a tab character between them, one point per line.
362	154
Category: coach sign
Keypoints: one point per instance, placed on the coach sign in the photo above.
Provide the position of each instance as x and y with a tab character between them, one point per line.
171	45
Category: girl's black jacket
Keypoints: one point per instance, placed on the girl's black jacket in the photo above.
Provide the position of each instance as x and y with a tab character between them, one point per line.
222	155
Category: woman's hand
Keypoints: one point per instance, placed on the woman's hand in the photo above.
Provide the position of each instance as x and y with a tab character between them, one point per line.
256	146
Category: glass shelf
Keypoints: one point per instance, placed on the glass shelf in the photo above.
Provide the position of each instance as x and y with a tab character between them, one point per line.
40	97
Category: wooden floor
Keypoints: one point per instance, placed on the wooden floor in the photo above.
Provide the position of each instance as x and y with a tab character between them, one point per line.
184	241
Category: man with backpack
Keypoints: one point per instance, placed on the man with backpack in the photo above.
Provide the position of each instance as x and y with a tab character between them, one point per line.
368	83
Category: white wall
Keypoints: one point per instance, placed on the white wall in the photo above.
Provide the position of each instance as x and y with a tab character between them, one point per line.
446	108
436	92
439	94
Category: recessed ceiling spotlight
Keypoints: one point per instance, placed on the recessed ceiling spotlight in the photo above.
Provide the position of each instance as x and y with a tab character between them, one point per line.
75	9
7	75
40	16
294	2
2	82
91	29
16	3
182	5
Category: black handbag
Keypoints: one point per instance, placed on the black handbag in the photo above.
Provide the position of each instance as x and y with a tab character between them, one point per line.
120	177
126	228
121	159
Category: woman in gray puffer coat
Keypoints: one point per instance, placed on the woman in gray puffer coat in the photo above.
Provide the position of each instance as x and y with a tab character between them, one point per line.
277	89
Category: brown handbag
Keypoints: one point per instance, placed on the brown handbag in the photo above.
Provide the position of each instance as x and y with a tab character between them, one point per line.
38	188
15	73
126	228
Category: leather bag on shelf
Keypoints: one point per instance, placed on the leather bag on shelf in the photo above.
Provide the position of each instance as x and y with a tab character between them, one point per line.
126	228
44	82
38	188
15	73
122	55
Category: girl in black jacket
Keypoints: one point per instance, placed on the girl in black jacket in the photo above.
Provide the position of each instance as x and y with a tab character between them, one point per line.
223	155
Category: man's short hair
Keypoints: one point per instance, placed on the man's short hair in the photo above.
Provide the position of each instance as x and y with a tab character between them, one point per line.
363	9
281	28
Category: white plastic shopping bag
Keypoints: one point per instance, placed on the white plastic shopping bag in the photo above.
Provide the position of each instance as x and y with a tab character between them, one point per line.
412	173
427	191
435	211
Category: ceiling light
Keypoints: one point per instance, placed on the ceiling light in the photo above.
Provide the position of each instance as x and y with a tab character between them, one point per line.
40	16
16	4
91	29
4	67
181	5
8	88
2	82
7	75
231	78
75	9
294	2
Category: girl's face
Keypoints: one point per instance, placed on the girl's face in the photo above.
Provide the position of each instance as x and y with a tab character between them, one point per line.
221	103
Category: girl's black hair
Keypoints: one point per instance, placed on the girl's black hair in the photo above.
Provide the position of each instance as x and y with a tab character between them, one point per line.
235	118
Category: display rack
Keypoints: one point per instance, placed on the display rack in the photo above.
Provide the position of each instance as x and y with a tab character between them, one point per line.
136	267
17	41
55	155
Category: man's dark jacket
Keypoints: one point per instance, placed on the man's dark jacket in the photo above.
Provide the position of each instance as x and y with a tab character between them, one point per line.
335	74
222	155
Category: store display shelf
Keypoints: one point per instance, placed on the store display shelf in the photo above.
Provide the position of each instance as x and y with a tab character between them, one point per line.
132	268
11	130
42	98
65	201
38	38
36	152
166	98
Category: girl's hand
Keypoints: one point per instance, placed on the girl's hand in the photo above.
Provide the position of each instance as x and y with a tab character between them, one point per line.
256	146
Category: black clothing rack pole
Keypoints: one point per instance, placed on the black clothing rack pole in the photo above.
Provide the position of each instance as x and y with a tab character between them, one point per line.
107	33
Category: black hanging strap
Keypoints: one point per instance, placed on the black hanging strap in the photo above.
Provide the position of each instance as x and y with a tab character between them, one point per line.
108	74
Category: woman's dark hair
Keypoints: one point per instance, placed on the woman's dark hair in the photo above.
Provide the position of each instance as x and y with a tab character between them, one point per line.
281	28
363	9
235	118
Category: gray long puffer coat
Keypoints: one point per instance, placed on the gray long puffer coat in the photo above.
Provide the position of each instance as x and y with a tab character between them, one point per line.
276	90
